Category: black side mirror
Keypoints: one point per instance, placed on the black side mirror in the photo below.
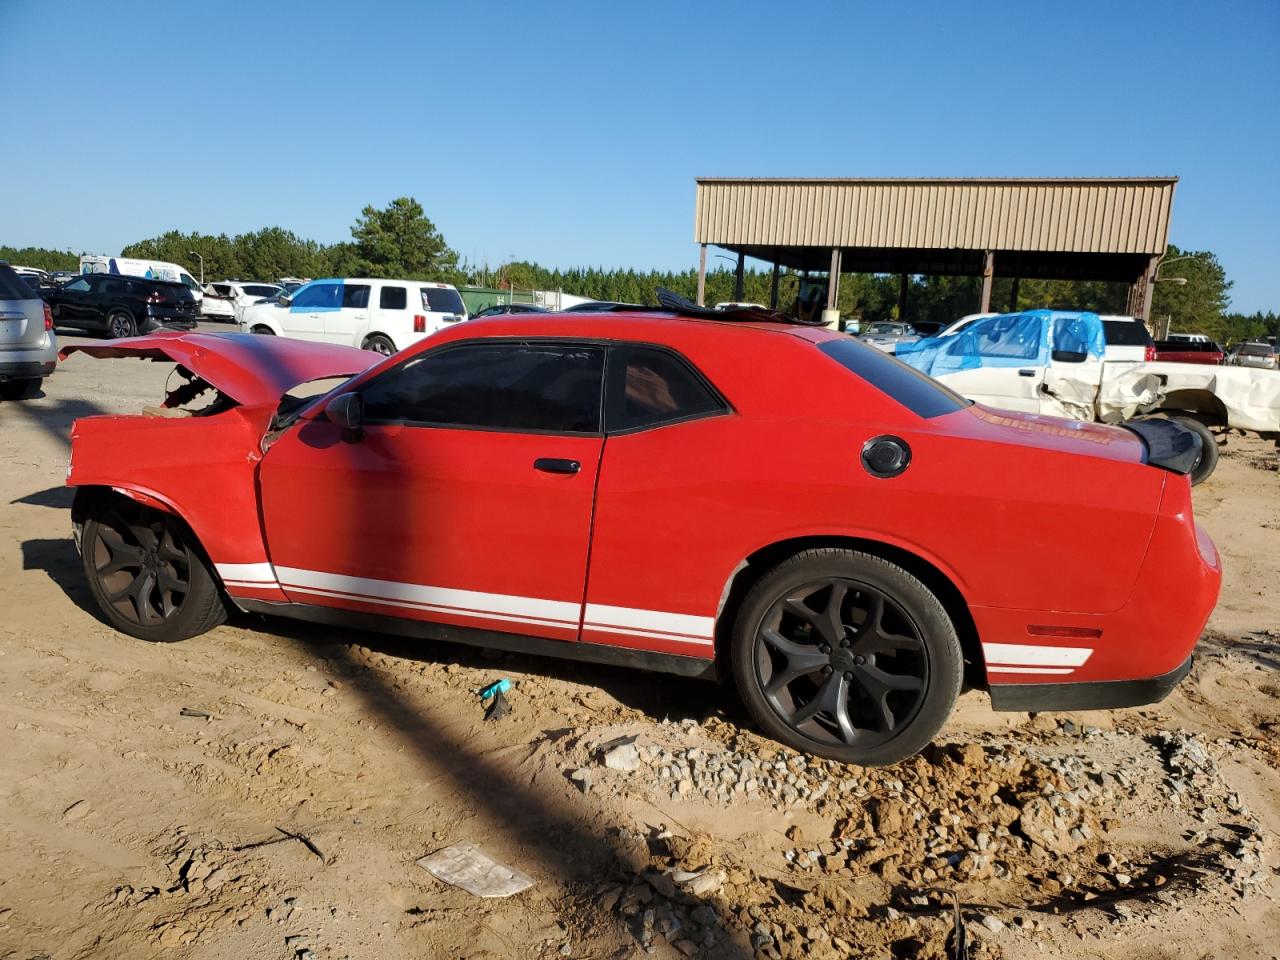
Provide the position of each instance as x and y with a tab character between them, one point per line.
1069	356
347	411
285	299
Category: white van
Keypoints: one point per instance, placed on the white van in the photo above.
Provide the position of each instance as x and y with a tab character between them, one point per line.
151	269
380	315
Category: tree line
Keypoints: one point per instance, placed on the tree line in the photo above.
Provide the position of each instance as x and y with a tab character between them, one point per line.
400	242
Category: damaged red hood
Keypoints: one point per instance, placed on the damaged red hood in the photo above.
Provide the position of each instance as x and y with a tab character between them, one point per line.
249	368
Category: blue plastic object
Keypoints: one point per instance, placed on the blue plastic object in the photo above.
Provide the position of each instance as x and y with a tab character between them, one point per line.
1026	339
502	686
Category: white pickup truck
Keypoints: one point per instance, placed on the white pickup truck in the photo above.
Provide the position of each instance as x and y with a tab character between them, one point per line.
1053	362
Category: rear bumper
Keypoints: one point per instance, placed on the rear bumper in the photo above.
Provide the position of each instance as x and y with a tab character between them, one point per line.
152	323
1044	660
26	369
1098	695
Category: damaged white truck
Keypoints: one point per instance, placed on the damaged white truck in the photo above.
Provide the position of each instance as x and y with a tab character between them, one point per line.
1052	362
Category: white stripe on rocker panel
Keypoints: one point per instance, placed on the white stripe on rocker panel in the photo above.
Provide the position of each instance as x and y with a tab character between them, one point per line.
1058	670
247	572
655	620
674	638
1030	655
558	611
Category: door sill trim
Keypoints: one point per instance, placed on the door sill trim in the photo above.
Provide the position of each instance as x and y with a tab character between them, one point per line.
700	667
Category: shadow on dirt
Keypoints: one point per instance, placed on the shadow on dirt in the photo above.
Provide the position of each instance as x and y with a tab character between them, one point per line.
659	696
57	498
58	559
556	833
1258	647
56	417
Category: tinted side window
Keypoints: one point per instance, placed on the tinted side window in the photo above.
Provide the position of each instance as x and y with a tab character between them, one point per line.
393	298
318	296
79	285
497	386
442	300
920	394
355	295
11	287
1125	333
648	387
112	286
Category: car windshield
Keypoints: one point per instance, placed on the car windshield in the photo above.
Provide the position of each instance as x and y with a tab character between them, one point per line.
300	397
885	328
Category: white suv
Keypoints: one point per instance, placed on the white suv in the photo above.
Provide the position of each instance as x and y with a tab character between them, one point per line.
379	315
221	299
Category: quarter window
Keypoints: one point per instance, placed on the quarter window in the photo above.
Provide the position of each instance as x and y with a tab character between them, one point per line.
355	296
648	387
516	387
392	298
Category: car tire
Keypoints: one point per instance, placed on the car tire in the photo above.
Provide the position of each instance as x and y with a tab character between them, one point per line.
845	655
378	344
146	572
264	331
1208	461
20	389
121	324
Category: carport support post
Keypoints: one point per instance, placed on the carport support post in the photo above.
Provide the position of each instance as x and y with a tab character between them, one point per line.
988	273
773	283
702	275
902	298
738	292
1146	289
1013	296
833	280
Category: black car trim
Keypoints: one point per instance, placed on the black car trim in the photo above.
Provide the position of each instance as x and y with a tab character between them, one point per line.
26	369
1167	444
495	640
1095	695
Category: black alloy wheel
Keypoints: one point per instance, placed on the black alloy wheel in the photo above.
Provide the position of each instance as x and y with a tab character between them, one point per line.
842	663
120	325
145	575
845	655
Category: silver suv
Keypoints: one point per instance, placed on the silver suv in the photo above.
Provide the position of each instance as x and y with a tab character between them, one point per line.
28	348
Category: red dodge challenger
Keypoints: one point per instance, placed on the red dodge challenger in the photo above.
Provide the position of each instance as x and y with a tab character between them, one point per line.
681	490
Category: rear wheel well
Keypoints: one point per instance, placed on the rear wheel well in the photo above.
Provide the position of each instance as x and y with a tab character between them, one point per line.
765	559
1200	405
89	497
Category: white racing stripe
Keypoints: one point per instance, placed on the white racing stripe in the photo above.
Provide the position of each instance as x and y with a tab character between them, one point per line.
1032	655
601	618
1030	670
674	638
247	573
559	612
650	621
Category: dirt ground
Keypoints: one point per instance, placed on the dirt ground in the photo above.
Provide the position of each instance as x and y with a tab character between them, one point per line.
264	791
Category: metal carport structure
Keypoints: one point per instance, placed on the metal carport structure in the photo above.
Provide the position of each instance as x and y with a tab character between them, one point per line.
1113	228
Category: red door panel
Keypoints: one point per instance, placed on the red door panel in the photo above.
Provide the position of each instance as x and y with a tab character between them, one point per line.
449	525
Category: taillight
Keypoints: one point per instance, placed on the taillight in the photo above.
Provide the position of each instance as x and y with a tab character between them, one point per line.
419	323
1151	352
157	297
48	317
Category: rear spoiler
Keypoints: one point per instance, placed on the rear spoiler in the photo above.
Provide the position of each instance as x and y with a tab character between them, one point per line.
1168	444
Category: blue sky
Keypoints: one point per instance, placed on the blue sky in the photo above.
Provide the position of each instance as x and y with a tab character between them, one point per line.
570	133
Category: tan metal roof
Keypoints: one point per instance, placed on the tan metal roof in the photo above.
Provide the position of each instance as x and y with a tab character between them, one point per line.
1110	215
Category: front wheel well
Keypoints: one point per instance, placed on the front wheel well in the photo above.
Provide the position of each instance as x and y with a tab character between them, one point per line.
942	587
88	497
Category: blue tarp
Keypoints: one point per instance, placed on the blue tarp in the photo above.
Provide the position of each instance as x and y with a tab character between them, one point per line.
1025	339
